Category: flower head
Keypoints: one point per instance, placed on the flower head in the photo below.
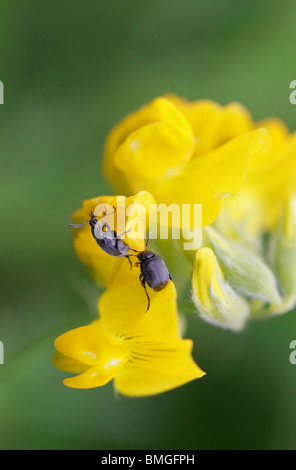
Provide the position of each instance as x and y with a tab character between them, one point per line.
142	352
201	149
172	152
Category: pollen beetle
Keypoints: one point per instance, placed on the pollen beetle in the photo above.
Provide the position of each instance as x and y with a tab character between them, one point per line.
154	271
107	239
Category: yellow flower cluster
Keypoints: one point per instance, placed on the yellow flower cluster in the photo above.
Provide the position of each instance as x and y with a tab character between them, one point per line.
183	152
172	151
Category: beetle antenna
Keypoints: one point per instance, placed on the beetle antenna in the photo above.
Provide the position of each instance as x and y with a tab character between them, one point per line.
77	225
148	238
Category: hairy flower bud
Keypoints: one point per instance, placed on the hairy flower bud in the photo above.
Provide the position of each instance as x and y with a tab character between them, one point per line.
245	269
213	297
283	253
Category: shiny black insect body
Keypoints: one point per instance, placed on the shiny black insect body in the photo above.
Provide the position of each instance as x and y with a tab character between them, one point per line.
107	239
154	271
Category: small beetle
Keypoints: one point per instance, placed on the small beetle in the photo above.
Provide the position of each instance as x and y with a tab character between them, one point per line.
107	239
153	271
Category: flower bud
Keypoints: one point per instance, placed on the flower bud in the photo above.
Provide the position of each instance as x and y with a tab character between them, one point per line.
245	270
283	252
213	297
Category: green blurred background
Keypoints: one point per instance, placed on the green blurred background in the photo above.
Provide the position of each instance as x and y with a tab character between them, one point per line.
71	70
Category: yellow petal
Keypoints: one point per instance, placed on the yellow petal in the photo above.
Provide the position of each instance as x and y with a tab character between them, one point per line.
159	359
125	276
276	183
212	123
205	275
242	217
91	346
123	312
270	178
158	110
68	364
161	149
102	267
90	379
217	174
200	114
281	177
269	155
233	120
157	368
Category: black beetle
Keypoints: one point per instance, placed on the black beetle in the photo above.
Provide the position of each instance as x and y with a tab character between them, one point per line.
154	271
107	239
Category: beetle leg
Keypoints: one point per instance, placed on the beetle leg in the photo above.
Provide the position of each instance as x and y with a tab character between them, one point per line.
137	251
131	264
142	280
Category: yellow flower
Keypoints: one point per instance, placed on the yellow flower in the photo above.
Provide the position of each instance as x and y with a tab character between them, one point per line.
104	268
142	352
183	152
